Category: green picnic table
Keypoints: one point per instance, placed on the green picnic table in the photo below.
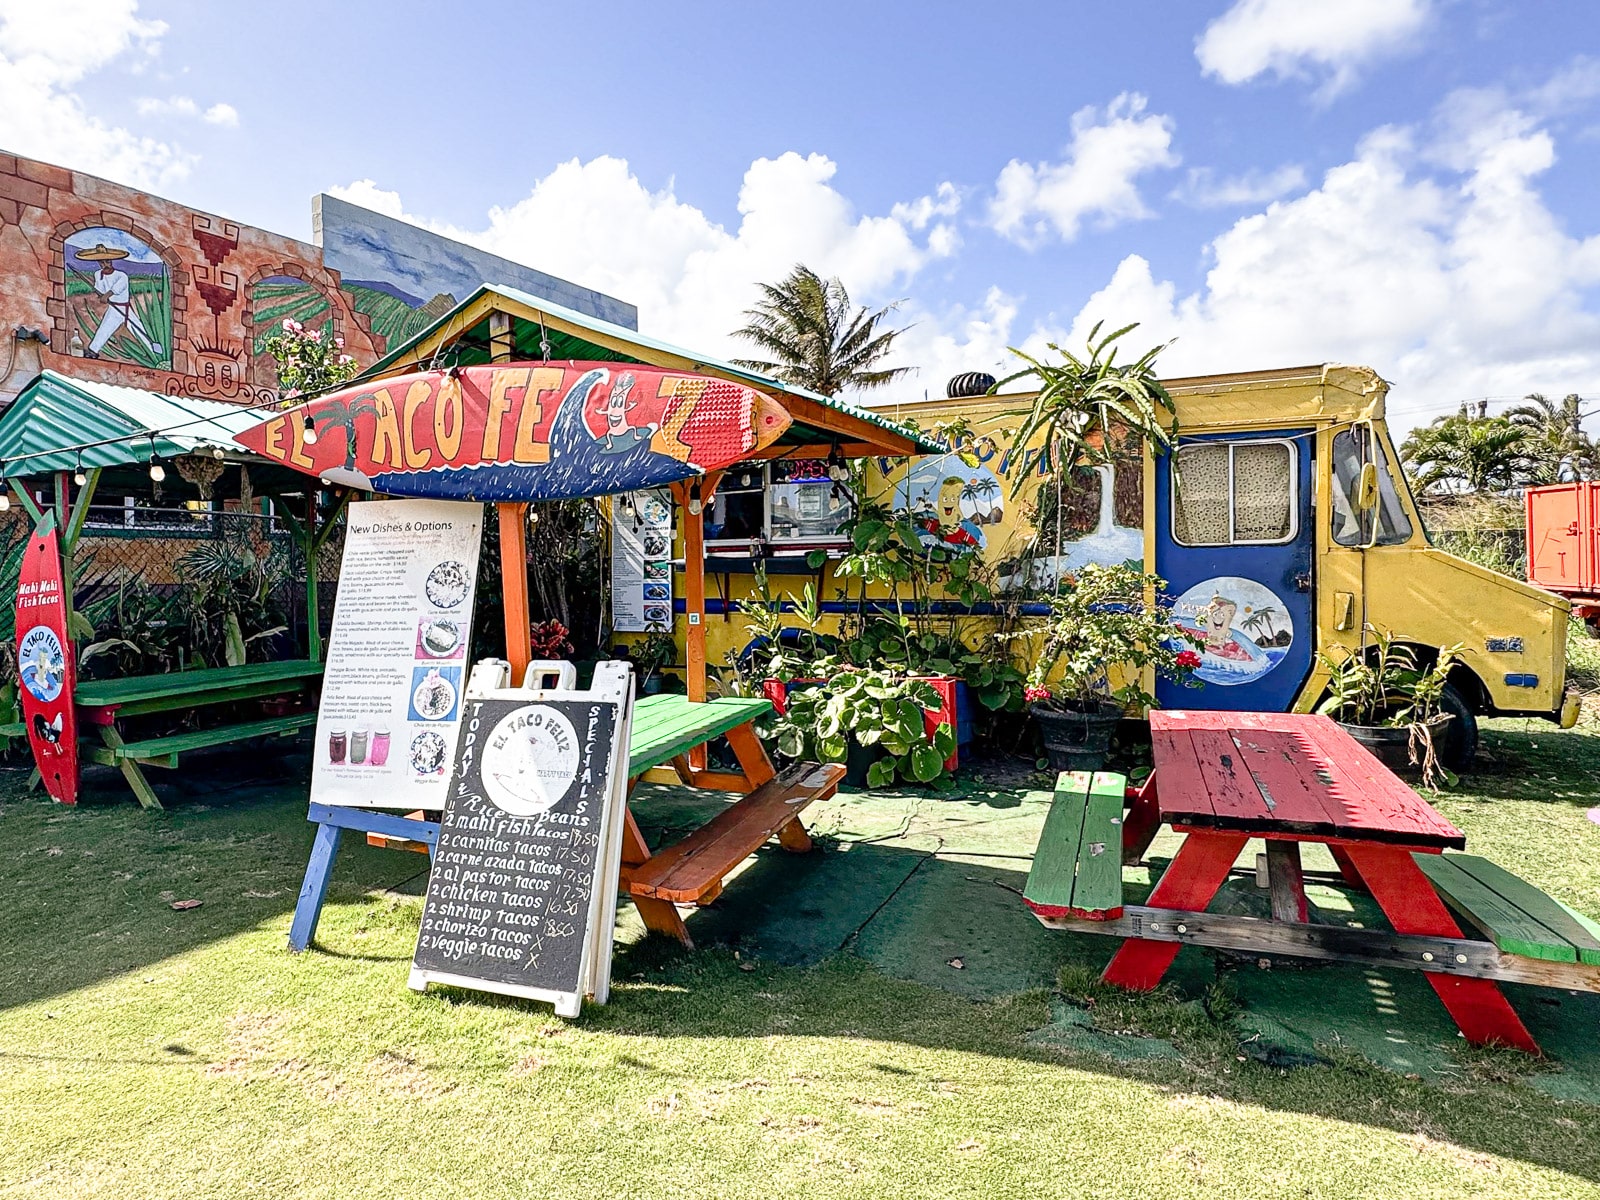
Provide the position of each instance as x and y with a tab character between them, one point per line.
665	729
104	703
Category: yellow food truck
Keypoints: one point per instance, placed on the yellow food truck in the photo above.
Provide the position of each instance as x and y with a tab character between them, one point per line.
1280	521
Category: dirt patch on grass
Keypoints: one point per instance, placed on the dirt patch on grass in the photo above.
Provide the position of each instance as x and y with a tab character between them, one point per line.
400	1074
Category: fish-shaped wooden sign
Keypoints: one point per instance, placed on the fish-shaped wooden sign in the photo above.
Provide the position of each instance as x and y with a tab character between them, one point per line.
522	431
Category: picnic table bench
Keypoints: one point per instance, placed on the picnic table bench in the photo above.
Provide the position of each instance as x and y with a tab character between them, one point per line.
104	703
1223	778
692	871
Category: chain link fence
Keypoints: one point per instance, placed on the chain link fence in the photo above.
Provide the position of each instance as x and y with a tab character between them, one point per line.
167	588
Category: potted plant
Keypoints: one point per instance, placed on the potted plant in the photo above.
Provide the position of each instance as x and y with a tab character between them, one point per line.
1389	701
1101	620
650	656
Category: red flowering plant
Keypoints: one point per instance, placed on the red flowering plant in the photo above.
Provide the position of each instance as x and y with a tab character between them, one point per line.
1101	620
549	641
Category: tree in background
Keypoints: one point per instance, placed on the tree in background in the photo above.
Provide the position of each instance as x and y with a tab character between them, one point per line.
1556	435
816	338
1472	452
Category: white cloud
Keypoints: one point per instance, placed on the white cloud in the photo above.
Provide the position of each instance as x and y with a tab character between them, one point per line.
1203	188
1453	282
1294	39
1096	181
184	106
368	194
597	224
45	49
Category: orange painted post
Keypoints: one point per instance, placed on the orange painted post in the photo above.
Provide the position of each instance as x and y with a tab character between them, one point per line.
514	585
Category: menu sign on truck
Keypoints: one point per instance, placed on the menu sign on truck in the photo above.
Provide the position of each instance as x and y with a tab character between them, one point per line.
397	653
522	896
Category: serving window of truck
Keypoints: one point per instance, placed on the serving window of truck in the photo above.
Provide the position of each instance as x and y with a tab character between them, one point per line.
785	507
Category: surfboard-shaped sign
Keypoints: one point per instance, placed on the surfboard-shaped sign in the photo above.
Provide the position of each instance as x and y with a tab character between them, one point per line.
522	431
46	665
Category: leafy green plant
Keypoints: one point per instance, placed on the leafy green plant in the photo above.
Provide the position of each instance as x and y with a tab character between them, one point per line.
1386	687
1389	686
1088	409
875	708
310	361
1101	620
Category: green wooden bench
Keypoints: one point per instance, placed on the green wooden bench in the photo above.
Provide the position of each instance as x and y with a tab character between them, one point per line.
1513	914
1077	869
104	703
164	751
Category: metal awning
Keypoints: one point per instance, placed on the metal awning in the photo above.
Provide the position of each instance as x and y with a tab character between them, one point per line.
116	426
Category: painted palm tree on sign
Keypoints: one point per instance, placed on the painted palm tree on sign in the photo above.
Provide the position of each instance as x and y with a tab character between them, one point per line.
816	338
342	414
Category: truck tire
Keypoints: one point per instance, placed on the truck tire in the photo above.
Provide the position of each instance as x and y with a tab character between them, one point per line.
1460	745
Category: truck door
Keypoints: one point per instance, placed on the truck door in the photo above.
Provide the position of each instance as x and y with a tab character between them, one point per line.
1234	540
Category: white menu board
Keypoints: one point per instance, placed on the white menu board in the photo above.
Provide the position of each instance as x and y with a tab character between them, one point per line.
641	561
397	654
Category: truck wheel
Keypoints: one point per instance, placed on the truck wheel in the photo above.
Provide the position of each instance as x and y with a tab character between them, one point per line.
1460	745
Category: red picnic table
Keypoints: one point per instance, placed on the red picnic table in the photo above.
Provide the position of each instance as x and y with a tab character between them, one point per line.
1221	778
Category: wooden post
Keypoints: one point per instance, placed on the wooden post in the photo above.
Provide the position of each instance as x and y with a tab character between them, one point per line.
694	581
513	536
514	586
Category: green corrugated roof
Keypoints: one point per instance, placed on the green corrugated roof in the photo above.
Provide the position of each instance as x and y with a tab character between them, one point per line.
54	412
565	345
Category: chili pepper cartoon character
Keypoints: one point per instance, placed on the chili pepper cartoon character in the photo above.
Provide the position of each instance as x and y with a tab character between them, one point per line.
620	411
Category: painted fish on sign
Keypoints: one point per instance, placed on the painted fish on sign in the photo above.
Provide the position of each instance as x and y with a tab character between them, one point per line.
46	664
523	431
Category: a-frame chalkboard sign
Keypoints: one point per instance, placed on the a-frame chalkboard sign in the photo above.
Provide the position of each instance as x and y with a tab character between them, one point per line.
523	894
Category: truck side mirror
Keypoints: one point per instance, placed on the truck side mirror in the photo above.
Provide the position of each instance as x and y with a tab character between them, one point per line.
1367	488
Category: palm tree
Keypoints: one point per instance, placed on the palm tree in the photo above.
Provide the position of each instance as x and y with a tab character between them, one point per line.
1556	432
1469	453
816	338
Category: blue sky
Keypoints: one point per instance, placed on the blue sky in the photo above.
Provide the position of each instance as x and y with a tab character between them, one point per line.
1406	183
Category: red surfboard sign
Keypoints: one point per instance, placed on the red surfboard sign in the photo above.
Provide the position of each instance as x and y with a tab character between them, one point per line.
46	664
523	431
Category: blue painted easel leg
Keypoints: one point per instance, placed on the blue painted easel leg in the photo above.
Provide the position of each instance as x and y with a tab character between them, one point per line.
319	868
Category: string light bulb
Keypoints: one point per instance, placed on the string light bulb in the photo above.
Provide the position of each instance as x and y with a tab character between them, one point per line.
694	499
311	430
78	475
157	471
5	490
216	453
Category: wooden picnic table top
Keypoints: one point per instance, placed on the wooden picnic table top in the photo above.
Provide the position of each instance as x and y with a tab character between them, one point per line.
665	726
112	693
1284	773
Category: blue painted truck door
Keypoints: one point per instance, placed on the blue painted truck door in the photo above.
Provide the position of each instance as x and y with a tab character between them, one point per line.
1234	538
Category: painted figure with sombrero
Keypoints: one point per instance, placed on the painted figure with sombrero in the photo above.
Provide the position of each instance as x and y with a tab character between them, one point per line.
112	283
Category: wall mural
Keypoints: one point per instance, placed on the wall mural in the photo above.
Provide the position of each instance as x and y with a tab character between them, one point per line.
119	298
128	288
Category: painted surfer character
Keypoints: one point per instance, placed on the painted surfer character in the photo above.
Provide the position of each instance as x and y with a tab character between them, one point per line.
114	285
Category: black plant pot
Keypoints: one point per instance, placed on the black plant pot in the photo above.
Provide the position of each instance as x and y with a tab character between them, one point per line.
1077	740
1391	745
858	760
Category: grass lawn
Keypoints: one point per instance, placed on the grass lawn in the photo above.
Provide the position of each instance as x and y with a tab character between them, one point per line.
146	1052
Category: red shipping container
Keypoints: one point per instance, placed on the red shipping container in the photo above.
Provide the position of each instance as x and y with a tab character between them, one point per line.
1564	538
